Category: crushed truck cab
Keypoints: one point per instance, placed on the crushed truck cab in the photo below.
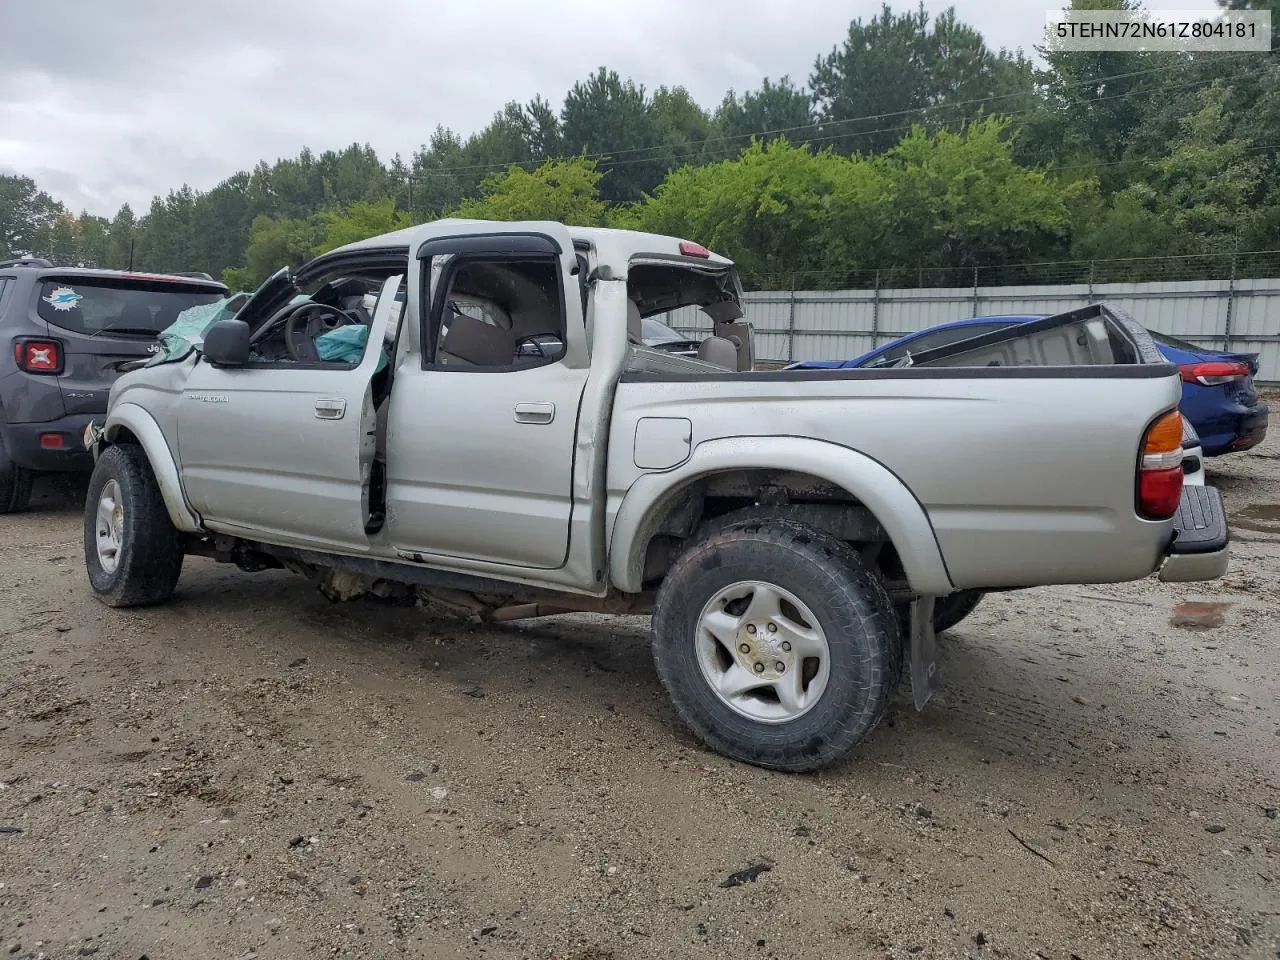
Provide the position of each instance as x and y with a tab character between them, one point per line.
494	437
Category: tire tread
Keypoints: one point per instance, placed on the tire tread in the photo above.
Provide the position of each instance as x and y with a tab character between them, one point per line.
152	555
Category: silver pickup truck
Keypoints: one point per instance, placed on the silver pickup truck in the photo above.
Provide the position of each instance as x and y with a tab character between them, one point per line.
466	411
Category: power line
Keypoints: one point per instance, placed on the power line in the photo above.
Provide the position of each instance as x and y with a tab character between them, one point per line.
606	158
610	164
1063	267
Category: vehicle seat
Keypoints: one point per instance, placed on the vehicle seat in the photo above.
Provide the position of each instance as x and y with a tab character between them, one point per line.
635	326
721	352
472	342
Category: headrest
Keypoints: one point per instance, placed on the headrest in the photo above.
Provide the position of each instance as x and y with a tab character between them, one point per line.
474	341
718	350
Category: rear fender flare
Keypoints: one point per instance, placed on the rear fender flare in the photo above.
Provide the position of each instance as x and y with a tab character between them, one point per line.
131	417
894	505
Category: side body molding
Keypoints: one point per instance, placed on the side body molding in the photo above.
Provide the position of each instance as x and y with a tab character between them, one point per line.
892	503
136	420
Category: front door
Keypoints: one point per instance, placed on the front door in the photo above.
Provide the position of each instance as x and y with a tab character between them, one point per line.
480	440
285	449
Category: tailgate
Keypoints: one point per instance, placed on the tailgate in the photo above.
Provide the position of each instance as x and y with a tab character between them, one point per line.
1097	335
92	366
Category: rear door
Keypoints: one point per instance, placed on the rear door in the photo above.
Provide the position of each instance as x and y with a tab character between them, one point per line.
103	322
481	432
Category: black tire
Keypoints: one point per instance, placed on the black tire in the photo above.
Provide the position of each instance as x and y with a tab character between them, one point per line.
150	552
842	593
15	484
951	609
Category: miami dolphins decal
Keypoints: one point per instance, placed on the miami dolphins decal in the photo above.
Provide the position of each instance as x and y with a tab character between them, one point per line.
63	298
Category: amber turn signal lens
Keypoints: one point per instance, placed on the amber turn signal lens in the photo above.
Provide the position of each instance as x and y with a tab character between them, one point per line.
1165	435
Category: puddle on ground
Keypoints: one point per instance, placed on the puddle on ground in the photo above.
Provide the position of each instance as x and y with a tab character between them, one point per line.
1259	517
1199	616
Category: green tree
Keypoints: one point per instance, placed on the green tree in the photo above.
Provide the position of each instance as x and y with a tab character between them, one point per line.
775	106
682	124
961	200
64	240
895	71
1128	225
1097	100
435	180
27	217
274	243
1204	193
359	222
606	115
95	241
773	210
563	190
120	238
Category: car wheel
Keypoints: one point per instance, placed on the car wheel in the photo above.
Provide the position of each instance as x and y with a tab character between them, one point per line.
777	644
15	484
951	609
132	551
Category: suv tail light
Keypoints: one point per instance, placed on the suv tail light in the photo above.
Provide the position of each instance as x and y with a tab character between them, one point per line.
1213	372
1160	468
38	356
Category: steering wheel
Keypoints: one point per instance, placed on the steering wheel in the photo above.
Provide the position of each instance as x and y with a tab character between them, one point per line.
306	323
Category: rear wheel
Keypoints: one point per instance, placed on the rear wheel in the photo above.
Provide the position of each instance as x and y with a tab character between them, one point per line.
132	551
777	645
15	484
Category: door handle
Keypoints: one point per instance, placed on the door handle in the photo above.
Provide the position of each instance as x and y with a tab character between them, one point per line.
330	409
535	412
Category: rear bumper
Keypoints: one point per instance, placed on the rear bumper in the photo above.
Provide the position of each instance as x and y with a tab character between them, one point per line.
1200	549
1232	433
1253	428
25	443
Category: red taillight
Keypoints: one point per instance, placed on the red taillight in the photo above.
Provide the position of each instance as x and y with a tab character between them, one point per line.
51	441
690	249
1160	492
1213	372
38	356
1160	468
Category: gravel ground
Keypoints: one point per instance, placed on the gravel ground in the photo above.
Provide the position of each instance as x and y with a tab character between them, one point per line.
252	771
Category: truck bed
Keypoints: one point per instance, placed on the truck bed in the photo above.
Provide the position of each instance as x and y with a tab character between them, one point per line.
1021	445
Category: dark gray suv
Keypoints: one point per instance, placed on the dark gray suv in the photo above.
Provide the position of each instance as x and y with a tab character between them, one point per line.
65	333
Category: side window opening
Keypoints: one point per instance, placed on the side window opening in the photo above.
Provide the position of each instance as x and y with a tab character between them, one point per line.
672	308
501	314
329	325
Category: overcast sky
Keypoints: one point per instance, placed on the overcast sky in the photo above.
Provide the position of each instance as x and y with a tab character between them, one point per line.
108	101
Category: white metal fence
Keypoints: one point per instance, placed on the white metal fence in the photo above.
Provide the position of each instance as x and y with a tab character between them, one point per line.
1235	315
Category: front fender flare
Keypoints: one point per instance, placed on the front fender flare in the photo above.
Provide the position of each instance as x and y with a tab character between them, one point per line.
135	419
894	505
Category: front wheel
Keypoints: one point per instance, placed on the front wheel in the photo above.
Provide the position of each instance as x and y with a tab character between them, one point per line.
132	551
777	644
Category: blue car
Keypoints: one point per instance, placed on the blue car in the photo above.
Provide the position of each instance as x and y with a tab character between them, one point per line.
1218	395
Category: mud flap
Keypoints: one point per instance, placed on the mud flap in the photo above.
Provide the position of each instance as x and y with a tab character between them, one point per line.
924	652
